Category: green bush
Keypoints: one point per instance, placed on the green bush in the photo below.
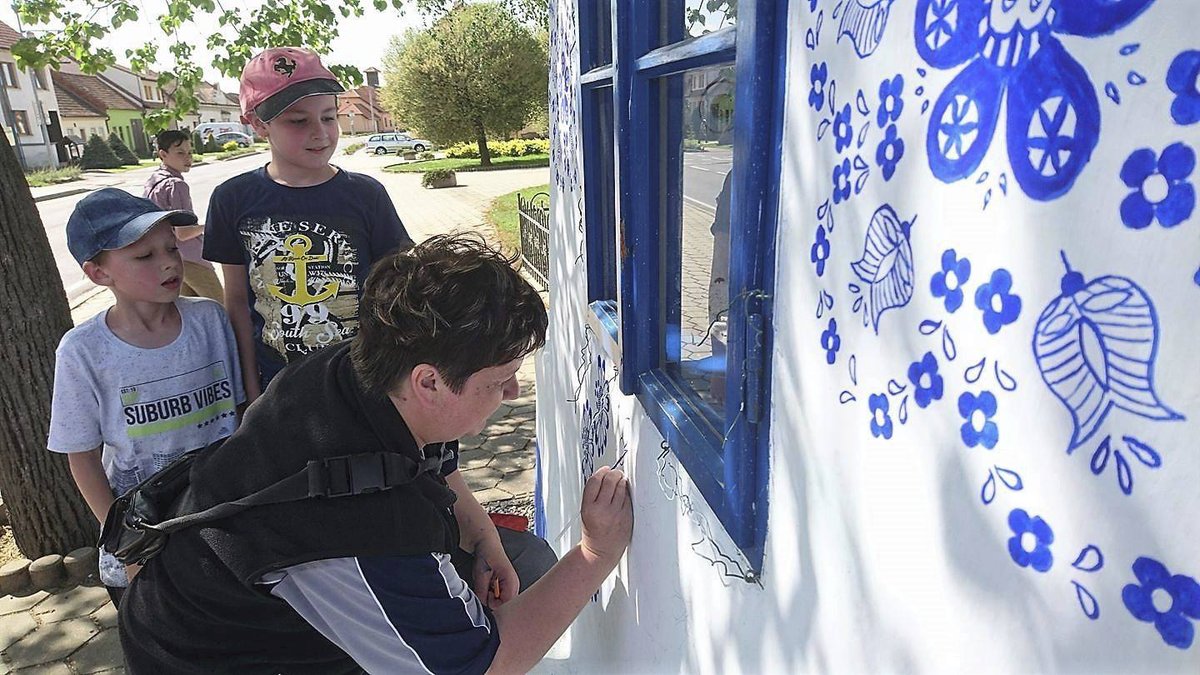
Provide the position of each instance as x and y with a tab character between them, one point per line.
197	144
210	144
98	155
121	150
425	155
515	148
230	146
434	175
353	148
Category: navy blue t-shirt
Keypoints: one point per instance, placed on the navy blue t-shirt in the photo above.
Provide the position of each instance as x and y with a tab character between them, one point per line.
307	252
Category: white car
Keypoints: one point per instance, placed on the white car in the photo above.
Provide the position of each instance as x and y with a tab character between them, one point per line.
241	139
381	144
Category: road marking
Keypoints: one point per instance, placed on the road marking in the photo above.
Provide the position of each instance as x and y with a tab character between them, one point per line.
712	210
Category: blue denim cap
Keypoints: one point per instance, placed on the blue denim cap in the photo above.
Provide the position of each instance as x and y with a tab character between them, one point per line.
109	219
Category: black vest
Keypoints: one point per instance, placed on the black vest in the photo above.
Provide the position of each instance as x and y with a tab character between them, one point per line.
196	607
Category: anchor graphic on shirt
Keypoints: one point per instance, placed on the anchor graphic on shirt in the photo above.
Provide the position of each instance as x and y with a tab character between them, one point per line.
298	247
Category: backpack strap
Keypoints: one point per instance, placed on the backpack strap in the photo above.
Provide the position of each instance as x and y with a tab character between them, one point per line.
331	477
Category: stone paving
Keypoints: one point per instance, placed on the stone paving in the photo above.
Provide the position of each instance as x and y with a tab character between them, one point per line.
74	632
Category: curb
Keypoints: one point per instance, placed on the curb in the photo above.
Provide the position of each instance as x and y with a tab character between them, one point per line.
64	193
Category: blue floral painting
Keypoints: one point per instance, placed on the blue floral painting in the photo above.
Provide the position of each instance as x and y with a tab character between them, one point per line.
863	21
948	283
1169	601
886	264
1000	306
1030	544
978	428
1161	190
1183	79
1011	50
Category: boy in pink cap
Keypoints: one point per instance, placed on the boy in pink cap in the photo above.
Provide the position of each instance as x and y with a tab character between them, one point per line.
297	237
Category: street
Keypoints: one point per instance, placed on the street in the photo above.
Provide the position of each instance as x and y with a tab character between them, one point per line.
704	173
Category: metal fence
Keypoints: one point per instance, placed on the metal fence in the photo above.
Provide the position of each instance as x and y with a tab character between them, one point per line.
534	216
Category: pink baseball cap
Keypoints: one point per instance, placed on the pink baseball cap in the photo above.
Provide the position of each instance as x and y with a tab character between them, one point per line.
278	77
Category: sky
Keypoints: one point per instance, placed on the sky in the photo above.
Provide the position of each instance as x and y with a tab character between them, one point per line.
362	41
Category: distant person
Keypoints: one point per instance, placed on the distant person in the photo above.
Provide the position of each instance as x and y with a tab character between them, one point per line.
153	377
167	188
411	579
297	237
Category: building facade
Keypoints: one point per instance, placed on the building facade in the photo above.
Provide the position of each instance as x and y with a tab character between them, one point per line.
122	111
886	308
28	108
360	112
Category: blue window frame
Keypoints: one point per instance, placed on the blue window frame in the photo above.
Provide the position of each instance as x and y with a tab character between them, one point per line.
682	280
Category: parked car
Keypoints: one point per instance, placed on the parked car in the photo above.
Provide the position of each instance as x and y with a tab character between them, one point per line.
381	144
242	139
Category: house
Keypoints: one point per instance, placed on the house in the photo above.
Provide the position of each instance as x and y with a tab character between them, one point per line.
892	331
360	111
214	105
122	112
81	117
28	109
139	89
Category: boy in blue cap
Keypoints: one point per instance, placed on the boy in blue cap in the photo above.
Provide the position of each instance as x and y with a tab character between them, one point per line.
153	377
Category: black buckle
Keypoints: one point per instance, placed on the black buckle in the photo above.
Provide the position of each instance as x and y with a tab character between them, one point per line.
346	475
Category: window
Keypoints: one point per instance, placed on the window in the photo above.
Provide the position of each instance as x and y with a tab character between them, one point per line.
693	99
8	73
598	134
21	122
39	78
146	89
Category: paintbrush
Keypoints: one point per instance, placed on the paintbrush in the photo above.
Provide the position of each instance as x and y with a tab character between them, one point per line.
570	523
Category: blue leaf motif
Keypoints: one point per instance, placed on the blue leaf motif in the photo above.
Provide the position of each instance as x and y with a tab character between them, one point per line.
1144	453
948	347
1095	346
854	369
1090	559
904	411
1130	48
1124	473
973	373
895	388
846	397
1087	601
1135	78
929	326
886	265
1011	479
1110	90
1007	382
863	21
860	102
1101	455
988	493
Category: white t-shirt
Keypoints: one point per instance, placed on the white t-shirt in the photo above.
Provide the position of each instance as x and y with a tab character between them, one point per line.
145	406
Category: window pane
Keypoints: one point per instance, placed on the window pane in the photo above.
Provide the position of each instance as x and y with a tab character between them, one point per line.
599	16
698	106
691	18
600	191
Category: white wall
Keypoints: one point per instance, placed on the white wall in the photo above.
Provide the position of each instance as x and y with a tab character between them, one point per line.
890	552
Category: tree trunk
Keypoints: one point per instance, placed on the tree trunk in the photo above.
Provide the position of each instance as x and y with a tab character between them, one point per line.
46	511
485	156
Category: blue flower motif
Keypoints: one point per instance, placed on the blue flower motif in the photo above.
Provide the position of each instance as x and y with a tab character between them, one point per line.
1014	60
841	182
843	132
927	384
1034	550
1179	594
812	5
1000	307
978	429
818	75
891	103
949	282
889	152
881	421
1183	78
831	342
820	250
1160	188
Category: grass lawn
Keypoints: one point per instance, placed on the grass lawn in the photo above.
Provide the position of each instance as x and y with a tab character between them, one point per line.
44	177
470	164
503	216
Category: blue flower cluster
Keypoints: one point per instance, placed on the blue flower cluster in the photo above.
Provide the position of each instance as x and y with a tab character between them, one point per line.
927	383
978	411
831	342
1183	79
1160	187
1178	597
1034	550
820	250
1000	307
881	421
949	282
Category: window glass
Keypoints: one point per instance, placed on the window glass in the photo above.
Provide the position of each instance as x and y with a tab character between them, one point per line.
600	18
8	71
699	164
684	19
600	188
22	122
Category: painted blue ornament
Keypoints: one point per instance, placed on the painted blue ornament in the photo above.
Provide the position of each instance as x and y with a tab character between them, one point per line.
1095	345
887	263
